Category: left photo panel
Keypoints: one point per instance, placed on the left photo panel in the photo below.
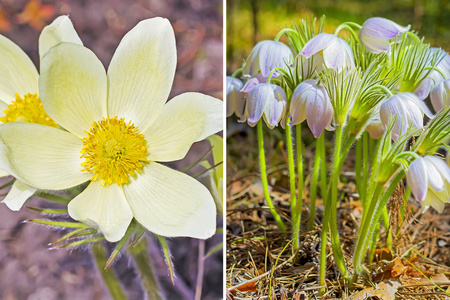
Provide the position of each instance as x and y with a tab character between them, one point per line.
111	149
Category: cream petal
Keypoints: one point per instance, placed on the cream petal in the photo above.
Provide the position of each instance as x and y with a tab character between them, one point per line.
19	193
60	30
141	72
171	203
104	207
17	72
187	118
41	156
73	87
433	199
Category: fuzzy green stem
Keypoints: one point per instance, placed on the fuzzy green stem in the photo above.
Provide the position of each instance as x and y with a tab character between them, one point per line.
387	228
349	29
358	165
365	165
313	193
326	216
200	269
265	184
373	243
296	210
404	204
369	224
108	275
144	265
285	30
323	166
335	243
236	72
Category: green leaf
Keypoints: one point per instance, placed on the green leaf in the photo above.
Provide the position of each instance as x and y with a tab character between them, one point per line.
54	198
58	224
120	245
49	211
214	249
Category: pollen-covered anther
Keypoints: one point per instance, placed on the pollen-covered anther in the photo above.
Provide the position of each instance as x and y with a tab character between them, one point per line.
113	150
28	109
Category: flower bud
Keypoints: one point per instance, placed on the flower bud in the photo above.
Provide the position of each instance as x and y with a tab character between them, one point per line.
235	98
266	56
265	100
311	102
377	33
440	95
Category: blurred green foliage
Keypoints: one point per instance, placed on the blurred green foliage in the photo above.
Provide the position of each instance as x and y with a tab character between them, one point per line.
250	21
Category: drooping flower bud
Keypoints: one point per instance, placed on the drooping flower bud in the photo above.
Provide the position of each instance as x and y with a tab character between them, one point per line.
440	95
266	56
408	109
377	33
336	53
429	180
265	100
311	102
235	98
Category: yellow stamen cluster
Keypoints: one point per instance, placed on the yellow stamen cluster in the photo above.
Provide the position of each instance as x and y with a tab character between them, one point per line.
113	150
27	109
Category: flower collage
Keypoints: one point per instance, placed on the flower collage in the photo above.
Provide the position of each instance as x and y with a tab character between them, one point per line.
224	149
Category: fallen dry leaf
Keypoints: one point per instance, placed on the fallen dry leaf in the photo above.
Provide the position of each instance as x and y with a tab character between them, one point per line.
383	291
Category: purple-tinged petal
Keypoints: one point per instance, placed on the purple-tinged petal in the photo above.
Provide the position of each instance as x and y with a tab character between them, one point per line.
440	95
235	98
274	55
319	111
375	129
338	55
250	84
317	44
257	100
424	88
417	179
382	28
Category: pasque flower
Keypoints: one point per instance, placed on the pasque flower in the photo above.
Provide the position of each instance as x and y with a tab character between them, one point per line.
311	102
429	180
336	53
440	72
377	33
266	56
117	127
19	92
265	100
409	111
235	98
440	95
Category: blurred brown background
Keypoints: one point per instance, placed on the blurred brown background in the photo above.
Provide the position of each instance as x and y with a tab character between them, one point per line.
28	270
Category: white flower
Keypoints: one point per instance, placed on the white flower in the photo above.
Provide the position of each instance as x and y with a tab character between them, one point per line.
429	180
377	33
408	109
336	53
235	98
117	127
440	95
266	56
265	100
311	102
19	97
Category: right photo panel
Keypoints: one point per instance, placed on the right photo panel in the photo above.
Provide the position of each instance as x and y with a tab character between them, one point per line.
337	141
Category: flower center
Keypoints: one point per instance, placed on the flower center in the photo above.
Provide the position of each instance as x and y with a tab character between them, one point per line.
113	150
27	109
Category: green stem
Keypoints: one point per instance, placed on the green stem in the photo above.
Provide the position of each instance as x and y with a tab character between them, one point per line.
313	193
285	30
335	243
323	167
144	265
404	204
326	216
358	166
370	222
373	243
365	165
387	228
265	184
236	72
296	210
108	275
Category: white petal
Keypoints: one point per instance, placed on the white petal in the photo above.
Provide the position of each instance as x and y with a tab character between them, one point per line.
19	193
317	44
417	179
73	87
17	72
41	156
338	55
105	207
170	203
141	72
187	118
60	30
